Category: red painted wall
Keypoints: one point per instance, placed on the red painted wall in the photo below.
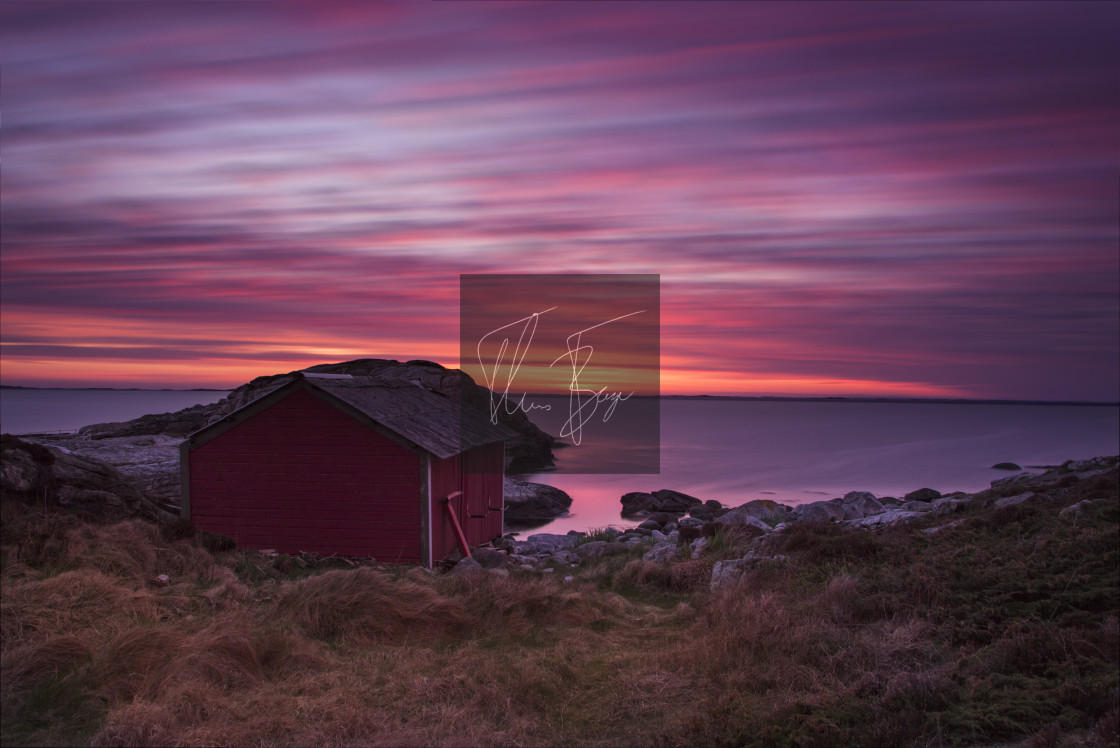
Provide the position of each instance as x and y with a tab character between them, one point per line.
478	474
304	476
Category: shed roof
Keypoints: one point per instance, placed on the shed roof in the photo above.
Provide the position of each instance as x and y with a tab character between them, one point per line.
436	422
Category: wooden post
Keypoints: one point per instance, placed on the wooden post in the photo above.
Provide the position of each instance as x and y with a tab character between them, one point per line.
455	524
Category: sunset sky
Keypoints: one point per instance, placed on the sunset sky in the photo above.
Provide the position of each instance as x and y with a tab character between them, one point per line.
841	199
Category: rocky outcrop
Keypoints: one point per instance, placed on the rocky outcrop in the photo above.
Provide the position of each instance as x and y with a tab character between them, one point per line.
53	477
532	504
149	462
639	503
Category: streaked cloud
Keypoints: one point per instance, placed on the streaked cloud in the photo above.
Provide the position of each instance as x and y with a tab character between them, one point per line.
841	198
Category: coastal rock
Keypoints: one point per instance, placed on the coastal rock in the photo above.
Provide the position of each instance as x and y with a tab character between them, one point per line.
891	517
1022	498
661	552
949	504
861	505
150	462
741	516
854	496
820	511
545	543
767	510
530	504
599	548
707	511
467	567
638	503
31	472
488	558
725	573
922	494
916	506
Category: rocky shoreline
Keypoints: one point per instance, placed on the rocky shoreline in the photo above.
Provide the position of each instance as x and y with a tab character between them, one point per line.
679	526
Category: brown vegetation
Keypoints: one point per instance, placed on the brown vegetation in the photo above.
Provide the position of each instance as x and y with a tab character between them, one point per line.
1003	628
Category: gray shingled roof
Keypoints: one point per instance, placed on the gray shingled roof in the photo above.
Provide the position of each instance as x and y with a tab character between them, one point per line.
431	420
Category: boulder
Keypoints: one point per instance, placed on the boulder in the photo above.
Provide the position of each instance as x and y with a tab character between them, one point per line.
529	504
598	548
860	506
661	552
949	504
916	506
1022	498
741	516
767	510
697	547
922	494
545	543
890	517
638	503
489	558
467	567
728	572
707	511
820	511
853	496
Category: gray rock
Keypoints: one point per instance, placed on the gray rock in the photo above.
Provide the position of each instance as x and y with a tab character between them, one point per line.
488	558
741	517
467	567
728	572
949	504
670	528
922	494
658	536
594	549
661	552
857	496
697	547
887	518
1022	498
821	511
916	506
545	543
533	503
664	500
650	524
690	522
864	505
707	511
767	510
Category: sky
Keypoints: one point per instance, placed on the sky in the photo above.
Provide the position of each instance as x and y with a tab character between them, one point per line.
882	199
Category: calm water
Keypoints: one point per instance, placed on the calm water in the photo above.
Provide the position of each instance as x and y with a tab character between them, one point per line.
797	452
29	411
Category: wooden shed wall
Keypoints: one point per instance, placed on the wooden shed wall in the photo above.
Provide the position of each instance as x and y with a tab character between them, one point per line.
303	475
478	474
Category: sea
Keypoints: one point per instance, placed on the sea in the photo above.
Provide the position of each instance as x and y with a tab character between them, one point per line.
732	451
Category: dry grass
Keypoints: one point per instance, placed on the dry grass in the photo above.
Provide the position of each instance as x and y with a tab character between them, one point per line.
896	639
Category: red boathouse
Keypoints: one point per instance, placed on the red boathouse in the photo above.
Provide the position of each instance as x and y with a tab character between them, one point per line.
350	465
